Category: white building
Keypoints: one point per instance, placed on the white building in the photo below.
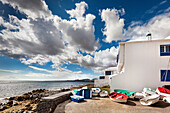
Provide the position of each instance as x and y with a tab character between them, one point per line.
105	80
142	64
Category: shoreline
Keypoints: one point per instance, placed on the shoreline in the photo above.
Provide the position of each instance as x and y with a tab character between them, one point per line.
29	101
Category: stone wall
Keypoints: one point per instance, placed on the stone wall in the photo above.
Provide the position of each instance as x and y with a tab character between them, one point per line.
48	104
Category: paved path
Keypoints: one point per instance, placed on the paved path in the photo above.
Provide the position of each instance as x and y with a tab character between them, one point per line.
105	105
52	97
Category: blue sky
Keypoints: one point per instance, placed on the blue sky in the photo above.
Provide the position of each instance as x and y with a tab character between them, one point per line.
73	39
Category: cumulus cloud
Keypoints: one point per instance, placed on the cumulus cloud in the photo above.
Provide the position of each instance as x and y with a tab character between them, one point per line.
31	38
40	40
79	30
113	24
99	62
158	26
32	8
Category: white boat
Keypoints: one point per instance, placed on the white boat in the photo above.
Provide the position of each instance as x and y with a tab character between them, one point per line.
103	93
118	97
164	92
77	98
149	91
166	99
149	100
95	91
139	95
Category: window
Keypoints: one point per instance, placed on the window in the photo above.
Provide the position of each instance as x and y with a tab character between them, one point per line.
102	77
165	75
164	50
107	72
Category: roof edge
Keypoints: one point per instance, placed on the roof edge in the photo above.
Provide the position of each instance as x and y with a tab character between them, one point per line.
162	40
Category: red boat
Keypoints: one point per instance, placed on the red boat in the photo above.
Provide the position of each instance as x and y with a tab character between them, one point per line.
163	91
118	97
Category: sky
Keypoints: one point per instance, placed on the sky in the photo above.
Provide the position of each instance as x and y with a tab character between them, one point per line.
73	39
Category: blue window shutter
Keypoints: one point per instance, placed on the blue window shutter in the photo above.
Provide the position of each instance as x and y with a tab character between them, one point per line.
165	76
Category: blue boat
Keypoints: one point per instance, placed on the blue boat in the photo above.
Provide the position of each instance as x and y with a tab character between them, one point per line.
77	98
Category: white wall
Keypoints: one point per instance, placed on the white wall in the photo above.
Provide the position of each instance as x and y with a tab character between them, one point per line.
142	66
102	82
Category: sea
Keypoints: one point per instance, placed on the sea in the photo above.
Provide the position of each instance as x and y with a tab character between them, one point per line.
17	88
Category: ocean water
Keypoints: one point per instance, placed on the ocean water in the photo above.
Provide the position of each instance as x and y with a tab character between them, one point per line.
16	88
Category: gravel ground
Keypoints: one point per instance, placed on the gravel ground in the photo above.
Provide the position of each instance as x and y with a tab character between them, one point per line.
105	105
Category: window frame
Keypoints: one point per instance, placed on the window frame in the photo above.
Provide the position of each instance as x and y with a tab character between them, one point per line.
165	50
164	71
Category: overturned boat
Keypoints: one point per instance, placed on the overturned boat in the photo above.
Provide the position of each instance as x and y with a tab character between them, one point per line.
77	98
149	91
163	92
95	91
166	99
118	97
126	92
149	100
104	93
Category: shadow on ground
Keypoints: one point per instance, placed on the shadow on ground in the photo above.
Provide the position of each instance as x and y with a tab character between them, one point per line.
160	104
130	103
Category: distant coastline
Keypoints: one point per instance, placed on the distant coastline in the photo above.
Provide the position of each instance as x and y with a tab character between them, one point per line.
77	80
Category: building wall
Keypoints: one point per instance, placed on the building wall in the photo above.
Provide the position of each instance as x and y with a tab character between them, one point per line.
102	82
142	67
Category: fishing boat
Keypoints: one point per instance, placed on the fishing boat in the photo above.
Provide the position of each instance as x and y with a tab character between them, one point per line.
77	98
163	92
104	93
77	92
126	92
95	91
139	95
149	100
149	91
118	97
166	99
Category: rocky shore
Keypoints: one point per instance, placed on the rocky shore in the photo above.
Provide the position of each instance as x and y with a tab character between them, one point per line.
27	102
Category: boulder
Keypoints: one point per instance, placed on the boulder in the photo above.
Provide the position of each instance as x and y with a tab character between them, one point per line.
10	103
11	98
19	98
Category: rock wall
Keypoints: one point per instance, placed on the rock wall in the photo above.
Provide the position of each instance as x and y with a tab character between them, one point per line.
49	105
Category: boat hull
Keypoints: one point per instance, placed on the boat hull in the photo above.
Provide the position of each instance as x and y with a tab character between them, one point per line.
166	99
126	92
163	92
118	97
77	98
119	100
149	100
103	93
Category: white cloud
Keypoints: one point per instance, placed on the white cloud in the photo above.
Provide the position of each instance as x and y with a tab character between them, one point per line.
78	11
113	24
34	38
32	8
10	71
99	62
159	26
57	75
40	69
79	30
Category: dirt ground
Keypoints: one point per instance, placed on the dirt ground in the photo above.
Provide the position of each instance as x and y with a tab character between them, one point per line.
105	105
